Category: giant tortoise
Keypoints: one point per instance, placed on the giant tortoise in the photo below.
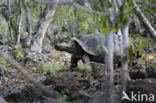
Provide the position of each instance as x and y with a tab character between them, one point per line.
85	48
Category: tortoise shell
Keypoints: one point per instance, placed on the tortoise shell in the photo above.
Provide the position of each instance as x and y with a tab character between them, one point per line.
90	42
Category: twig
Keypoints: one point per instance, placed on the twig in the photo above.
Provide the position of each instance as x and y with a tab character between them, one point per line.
47	91
60	2
71	2
146	4
77	6
145	21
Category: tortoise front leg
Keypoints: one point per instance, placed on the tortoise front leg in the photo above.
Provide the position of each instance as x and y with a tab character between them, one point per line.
74	61
86	60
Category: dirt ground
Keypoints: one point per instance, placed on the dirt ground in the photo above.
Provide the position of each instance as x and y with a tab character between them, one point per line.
74	87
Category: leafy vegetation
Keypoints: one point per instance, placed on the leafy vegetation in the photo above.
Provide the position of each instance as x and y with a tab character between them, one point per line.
49	67
137	48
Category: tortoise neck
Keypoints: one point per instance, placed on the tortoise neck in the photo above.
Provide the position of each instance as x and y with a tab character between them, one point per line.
70	49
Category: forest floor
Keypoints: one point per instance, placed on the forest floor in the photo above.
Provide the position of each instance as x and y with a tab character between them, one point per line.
75	86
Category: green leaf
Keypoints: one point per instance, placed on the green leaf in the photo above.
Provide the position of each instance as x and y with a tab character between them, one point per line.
65	33
5	79
104	30
2	59
52	67
134	35
109	3
116	91
98	47
83	68
105	49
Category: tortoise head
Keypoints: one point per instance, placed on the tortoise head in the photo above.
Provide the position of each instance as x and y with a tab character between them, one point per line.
62	46
68	48
59	46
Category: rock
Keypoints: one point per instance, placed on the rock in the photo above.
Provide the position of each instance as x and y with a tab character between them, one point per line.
3	39
79	95
47	48
138	72
27	93
100	97
98	70
5	48
34	58
134	62
140	87
76	80
151	72
20	93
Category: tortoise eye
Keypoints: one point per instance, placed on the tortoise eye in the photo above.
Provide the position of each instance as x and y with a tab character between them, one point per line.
75	44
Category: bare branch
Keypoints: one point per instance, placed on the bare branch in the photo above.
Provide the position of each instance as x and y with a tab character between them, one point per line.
60	2
146	4
77	6
47	91
72	2
145	21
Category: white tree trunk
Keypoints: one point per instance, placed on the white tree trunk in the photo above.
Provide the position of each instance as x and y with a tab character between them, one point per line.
109	66
125	38
26	41
19	25
41	27
109	58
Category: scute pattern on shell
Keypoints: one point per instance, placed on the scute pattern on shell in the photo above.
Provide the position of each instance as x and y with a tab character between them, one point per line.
90	42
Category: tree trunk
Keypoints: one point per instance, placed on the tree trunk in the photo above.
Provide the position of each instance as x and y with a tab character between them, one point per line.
19	26
2	100
27	39
41	27
9	24
109	57
125	41
109	66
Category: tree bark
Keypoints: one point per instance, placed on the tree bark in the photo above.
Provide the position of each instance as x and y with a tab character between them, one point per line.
2	100
125	41
145	21
19	25
9	24
109	56
109	66
26	41
42	26
10	15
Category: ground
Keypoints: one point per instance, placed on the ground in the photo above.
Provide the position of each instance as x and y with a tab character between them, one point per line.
74	87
